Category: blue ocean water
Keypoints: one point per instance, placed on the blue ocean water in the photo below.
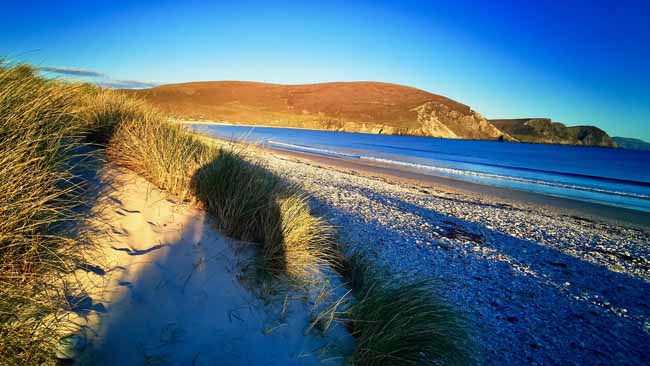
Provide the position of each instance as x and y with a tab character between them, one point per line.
613	177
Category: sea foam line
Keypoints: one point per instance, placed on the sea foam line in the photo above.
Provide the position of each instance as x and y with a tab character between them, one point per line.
458	172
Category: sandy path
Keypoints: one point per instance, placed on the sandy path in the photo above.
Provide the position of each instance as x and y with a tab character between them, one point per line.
170	294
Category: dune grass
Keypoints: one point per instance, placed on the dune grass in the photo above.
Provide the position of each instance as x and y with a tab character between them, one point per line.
404	324
42	126
401	323
164	153
40	131
104	110
407	325
251	203
248	202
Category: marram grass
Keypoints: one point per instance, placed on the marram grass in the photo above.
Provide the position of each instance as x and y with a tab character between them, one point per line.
407	325
164	153
402	323
253	204
42	125
40	130
248	201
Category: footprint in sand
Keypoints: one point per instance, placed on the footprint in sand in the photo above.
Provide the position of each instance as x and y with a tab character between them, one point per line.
154	227
131	251
124	211
120	231
114	200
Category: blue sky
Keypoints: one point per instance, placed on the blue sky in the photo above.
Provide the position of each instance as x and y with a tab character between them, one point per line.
578	62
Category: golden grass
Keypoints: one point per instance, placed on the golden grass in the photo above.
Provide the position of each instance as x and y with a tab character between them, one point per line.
248	201
407	324
40	130
401	323
42	126
164	153
251	203
104	110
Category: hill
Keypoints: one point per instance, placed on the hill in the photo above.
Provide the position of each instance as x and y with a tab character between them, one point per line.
543	130
371	107
631	143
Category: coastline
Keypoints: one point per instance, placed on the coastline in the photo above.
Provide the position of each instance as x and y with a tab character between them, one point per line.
567	206
541	284
226	123
560	205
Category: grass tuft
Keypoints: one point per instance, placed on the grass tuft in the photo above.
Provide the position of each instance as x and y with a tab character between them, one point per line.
407	325
40	132
252	204
164	153
398	323
104	109
248	201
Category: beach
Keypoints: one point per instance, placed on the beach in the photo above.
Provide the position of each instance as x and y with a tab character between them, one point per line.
173	290
543	280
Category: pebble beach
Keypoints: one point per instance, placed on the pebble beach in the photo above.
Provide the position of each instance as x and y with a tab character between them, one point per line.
540	286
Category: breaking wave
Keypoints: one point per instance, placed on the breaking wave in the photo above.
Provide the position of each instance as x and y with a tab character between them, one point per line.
458	172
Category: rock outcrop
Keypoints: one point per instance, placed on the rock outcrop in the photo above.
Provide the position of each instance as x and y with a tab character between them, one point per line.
631	143
543	130
436	119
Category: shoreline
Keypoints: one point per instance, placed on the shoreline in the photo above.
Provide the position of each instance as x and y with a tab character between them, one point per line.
559	205
591	210
533	280
222	123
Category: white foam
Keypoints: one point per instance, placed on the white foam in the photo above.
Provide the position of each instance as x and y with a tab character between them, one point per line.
456	172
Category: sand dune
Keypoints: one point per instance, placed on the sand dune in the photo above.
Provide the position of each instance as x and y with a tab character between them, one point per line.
172	292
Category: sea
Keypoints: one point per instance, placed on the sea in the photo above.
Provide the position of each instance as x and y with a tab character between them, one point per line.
614	177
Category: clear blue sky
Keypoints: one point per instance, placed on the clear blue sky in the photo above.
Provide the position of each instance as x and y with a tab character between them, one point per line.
578	62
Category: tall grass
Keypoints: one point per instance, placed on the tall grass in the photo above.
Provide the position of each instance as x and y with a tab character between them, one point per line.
164	153
407	325
40	130
398	323
103	110
43	124
253	204
248	201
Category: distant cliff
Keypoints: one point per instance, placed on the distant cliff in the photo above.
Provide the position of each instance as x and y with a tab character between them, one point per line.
630	143
370	107
543	130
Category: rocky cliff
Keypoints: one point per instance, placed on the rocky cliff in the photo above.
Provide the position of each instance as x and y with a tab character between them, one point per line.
436	119
543	130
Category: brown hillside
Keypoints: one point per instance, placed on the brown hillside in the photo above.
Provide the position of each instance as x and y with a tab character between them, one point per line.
347	106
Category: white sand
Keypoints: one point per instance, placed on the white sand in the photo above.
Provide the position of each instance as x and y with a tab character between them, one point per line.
171	294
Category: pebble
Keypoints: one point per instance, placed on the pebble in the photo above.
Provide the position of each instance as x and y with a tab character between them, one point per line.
512	268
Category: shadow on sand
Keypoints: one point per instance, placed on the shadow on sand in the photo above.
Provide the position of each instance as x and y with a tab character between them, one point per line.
175	294
588	297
